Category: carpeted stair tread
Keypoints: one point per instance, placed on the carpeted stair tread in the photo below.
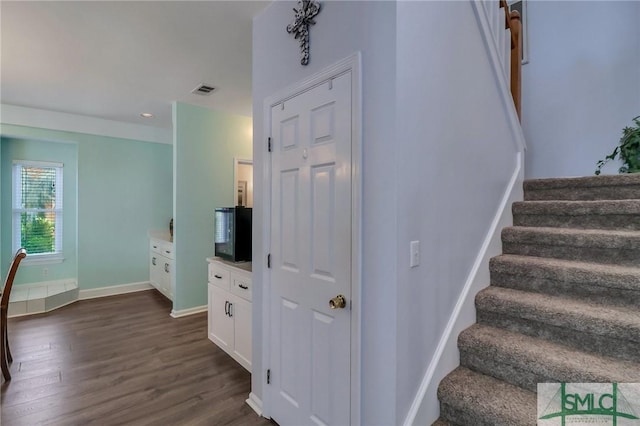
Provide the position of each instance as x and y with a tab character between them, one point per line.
525	361
471	398
599	214
606	283
608	187
594	327
592	245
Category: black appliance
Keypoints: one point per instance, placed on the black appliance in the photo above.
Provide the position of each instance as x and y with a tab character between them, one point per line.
232	235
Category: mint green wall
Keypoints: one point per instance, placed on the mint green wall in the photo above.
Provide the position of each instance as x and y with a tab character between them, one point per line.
2	267
65	153
205	143
124	190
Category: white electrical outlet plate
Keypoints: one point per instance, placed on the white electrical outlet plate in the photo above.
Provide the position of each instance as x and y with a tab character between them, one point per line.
414	254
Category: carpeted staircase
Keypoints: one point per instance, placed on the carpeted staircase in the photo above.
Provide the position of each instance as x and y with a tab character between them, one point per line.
563	304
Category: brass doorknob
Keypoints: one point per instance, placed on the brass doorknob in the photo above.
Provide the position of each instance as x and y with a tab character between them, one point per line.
338	302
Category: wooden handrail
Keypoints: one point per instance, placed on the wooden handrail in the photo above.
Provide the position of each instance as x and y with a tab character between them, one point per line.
514	24
516	62
507	21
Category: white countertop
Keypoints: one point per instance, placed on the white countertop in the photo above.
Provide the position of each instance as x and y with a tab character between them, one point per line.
245	266
160	235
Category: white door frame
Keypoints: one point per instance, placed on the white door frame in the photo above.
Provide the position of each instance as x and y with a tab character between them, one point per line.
353	64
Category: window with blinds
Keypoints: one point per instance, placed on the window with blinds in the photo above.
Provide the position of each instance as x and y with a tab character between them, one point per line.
37	208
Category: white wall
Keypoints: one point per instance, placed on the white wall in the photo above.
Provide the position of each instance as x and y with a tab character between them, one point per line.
438	156
342	28
456	155
581	85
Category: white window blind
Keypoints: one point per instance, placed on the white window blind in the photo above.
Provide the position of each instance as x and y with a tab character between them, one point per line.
37	208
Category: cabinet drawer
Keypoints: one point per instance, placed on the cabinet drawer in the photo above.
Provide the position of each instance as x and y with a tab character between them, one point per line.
166	249
219	276
241	286
155	246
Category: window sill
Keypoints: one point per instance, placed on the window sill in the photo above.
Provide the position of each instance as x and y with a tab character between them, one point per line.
43	259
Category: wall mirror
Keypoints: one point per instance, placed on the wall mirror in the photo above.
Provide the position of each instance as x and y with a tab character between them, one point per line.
243	182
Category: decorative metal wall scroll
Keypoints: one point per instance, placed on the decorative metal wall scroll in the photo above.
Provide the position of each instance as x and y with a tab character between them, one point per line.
304	14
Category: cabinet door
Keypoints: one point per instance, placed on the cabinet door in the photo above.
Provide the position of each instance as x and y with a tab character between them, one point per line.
167	273
155	270
220	324
241	314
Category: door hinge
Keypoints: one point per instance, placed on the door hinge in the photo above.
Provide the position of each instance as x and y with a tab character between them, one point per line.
269	376
269	260
269	144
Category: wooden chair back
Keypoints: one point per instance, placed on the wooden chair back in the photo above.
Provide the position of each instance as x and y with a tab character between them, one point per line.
5	352
8	282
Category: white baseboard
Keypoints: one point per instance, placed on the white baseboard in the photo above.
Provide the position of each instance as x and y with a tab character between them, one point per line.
189	311
254	402
113	290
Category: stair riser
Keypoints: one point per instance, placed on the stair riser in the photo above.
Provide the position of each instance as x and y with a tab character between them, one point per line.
605	187
529	377
624	256
607	222
558	287
628	192
584	194
501	371
585	341
470	398
464	418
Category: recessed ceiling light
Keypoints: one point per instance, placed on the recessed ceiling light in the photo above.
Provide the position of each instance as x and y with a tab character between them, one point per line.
146	115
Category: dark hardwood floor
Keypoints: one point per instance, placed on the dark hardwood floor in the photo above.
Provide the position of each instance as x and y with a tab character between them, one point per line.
121	360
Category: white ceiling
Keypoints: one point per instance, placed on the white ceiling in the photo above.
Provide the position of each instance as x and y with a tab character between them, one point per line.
116	59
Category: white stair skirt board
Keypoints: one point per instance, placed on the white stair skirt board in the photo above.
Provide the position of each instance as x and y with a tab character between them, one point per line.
114	289
36	298
255	403
189	311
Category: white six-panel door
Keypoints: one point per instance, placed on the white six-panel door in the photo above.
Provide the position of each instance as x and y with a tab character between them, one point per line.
311	192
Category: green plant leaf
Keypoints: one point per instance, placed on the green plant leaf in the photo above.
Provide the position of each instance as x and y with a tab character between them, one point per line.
628	150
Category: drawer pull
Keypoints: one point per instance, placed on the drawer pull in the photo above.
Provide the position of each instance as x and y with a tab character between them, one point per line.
155	247
218	277
242	286
167	251
166	267
153	261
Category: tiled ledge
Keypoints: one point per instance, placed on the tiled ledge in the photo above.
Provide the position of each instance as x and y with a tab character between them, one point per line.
41	297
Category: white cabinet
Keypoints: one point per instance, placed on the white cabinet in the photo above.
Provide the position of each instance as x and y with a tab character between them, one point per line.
241	314
220	323
161	266
230	309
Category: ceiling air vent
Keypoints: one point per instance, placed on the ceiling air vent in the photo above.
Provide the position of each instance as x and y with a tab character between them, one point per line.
203	89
